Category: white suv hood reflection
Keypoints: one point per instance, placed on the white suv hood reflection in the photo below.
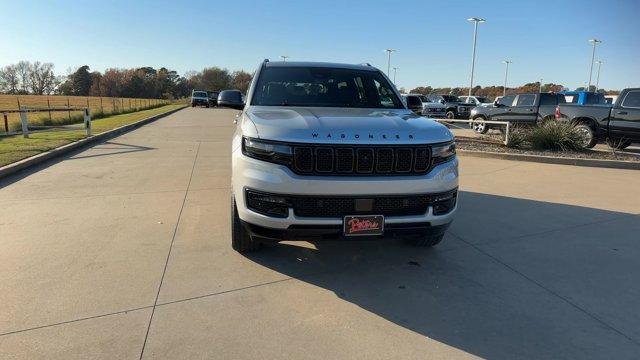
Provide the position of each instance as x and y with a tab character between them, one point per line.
345	125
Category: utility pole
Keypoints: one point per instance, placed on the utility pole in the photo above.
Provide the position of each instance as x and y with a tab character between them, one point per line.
541	84
389	51
599	62
475	22
395	70
593	56
506	73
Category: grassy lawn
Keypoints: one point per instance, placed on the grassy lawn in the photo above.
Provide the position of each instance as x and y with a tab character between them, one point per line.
14	148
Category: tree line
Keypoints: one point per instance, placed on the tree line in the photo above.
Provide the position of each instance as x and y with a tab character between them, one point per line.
39	78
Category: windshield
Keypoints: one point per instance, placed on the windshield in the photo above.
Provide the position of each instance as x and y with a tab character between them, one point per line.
324	87
483	99
199	94
450	98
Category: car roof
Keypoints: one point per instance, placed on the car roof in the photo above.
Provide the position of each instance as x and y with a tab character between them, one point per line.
319	65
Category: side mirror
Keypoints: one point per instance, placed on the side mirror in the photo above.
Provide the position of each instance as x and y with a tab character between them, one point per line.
441	101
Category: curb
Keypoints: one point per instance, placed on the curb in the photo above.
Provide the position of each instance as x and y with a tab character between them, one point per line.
599	163
64	149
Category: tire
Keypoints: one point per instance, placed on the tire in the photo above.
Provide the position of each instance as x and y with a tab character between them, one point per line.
450	115
618	144
425	240
478	125
241	241
590	137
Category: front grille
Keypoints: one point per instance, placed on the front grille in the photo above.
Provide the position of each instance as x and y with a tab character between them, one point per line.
326	206
341	206
361	160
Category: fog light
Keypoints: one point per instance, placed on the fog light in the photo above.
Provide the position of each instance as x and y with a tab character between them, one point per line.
444	203
266	204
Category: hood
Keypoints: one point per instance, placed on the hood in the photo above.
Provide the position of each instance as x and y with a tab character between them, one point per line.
345	125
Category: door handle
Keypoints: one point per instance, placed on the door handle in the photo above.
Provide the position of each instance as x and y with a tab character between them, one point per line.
621	113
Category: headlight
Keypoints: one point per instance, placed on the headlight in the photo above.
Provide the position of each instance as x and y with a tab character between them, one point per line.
443	152
267	151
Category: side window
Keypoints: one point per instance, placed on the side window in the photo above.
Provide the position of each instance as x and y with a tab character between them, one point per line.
507	100
413	101
526	100
549	99
632	99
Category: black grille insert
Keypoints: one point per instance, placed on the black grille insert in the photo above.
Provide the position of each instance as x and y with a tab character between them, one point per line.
341	206
361	160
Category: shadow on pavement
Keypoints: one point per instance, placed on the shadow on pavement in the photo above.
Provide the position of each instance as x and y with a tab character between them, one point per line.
119	148
460	295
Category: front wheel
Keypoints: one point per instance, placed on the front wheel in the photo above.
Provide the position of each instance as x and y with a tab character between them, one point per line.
241	241
479	126
450	115
588	136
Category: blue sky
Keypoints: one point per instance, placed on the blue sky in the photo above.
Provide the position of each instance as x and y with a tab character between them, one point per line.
544	39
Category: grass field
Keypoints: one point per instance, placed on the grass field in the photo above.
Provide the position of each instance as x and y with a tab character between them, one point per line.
14	148
98	105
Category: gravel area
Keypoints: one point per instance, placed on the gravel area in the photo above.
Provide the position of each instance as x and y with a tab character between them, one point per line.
464	143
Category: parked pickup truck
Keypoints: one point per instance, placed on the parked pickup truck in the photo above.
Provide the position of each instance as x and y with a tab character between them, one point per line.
525	109
619	125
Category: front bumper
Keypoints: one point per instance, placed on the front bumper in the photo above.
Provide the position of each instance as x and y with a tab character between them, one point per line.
271	178
332	232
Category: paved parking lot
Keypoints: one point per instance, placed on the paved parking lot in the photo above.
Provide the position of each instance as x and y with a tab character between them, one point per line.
122	251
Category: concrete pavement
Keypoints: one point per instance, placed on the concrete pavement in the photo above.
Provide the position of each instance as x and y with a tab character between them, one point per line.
122	251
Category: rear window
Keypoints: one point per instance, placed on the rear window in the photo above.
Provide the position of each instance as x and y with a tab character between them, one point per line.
632	99
324	87
594	99
526	100
551	99
199	94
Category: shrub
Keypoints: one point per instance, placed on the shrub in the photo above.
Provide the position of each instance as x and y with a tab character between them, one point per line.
517	137
555	136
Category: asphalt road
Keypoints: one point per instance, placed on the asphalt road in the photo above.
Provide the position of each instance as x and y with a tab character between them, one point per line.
122	251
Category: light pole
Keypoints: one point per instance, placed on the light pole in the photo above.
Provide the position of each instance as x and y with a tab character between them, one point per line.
475	22
593	56
541	84
395	70
506	73
599	62
389	51
285	57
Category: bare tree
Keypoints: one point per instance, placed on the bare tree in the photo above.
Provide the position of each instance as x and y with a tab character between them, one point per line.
42	78
241	80
23	69
9	80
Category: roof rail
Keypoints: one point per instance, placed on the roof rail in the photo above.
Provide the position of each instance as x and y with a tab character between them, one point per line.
365	64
